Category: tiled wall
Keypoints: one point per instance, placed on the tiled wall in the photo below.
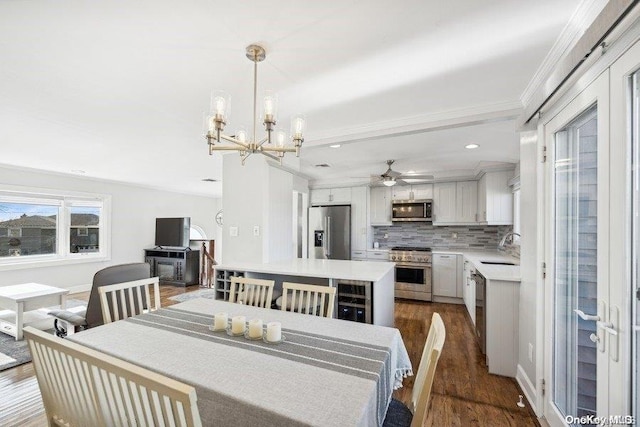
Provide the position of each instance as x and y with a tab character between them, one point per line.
480	237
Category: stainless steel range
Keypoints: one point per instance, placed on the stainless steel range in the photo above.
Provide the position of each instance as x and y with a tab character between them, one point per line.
413	272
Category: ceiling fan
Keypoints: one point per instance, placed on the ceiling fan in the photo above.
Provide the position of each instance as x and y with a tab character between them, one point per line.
391	177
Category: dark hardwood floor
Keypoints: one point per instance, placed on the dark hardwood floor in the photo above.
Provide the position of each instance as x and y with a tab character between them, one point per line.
464	393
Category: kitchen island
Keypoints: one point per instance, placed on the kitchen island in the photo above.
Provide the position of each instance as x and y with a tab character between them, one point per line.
365	290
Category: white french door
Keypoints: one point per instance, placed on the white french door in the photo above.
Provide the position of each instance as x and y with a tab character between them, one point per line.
577	179
592	228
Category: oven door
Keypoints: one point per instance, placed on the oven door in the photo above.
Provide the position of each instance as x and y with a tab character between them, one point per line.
413	281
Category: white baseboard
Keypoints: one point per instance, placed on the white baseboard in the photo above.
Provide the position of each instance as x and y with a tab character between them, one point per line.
528	388
79	288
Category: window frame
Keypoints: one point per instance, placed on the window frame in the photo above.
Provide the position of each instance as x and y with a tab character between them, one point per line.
63	200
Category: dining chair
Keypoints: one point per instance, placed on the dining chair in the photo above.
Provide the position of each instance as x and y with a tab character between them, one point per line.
249	291
67	322
84	387
122	300
310	299
398	414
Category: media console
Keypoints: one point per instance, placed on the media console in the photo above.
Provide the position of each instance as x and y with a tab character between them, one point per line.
174	266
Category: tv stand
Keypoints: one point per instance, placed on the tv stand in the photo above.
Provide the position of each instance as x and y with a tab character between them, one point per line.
177	266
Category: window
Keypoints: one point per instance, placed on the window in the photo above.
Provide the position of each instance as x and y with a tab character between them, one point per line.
51	228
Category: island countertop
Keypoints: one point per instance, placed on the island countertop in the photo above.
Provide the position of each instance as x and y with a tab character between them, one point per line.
328	268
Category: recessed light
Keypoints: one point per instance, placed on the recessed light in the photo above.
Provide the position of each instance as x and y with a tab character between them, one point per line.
335	146
411	171
471	146
79	171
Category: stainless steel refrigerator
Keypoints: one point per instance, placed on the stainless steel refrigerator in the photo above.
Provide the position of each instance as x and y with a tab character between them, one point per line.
330	232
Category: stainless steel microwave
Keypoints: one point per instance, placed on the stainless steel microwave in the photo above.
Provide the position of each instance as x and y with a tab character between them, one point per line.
412	210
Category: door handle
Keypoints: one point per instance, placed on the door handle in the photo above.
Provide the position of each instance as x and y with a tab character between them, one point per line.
605	326
325	237
584	316
328	237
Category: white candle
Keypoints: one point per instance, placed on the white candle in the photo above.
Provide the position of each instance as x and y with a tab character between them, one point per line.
274	331
255	328
238	324
220	321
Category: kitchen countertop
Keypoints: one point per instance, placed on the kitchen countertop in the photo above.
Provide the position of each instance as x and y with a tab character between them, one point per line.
509	273
370	271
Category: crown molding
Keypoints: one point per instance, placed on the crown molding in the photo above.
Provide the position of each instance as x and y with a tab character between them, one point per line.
418	124
581	19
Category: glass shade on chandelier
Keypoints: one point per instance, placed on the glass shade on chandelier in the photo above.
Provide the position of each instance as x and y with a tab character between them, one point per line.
274	144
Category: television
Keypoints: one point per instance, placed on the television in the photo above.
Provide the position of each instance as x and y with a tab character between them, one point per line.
173	232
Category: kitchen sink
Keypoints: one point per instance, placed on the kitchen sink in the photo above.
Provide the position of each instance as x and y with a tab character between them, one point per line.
498	263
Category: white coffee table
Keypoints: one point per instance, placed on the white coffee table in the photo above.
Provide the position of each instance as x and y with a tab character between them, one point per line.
28	297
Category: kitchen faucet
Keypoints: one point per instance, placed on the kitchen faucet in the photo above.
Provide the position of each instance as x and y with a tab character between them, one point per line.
506	236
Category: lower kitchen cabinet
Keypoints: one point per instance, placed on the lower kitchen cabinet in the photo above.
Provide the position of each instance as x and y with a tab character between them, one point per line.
501	312
469	290
447	277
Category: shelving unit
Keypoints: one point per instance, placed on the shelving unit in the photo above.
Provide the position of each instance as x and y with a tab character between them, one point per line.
222	283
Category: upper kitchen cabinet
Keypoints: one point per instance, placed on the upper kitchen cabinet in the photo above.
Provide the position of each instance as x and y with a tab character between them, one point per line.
467	202
455	203
380	205
359	197
495	200
330	196
412	192
444	203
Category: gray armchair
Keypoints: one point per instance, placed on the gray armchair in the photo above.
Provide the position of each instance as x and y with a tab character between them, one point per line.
65	320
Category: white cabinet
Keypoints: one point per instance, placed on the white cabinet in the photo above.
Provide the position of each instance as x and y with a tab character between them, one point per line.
455	202
359	197
466	202
380	206
331	196
469	290
445	275
412	192
444	203
377	255
358	255
495	201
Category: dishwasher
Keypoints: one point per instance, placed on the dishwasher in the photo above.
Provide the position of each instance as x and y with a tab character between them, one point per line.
481	320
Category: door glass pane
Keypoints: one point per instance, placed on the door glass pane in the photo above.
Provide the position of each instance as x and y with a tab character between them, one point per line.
635	122
575	227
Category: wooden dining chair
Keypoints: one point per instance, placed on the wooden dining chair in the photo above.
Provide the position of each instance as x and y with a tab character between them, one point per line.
84	387
310	299
254	292
400	415
122	300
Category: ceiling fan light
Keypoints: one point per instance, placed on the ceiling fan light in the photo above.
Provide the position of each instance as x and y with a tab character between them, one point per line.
389	182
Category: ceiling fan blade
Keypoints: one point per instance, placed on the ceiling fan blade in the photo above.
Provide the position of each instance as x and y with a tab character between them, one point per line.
416	178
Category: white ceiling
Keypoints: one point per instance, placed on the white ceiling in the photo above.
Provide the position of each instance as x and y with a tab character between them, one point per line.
117	89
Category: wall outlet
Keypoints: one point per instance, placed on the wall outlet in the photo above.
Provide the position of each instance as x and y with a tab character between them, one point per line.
233	231
454	235
530	352
386	235
256	230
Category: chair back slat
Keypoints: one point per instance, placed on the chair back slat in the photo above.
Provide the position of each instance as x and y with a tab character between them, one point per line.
249	291
310	299
123	300
81	386
427	370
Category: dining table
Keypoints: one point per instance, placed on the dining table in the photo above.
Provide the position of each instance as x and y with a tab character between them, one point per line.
323	372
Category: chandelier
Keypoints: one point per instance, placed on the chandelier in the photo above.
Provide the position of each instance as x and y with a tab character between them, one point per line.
275	139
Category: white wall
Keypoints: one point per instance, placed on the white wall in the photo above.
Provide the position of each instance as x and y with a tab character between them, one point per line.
243	198
529	268
278	232
134	210
258	194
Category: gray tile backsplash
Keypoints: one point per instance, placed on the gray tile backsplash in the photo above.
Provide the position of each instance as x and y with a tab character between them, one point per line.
480	237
